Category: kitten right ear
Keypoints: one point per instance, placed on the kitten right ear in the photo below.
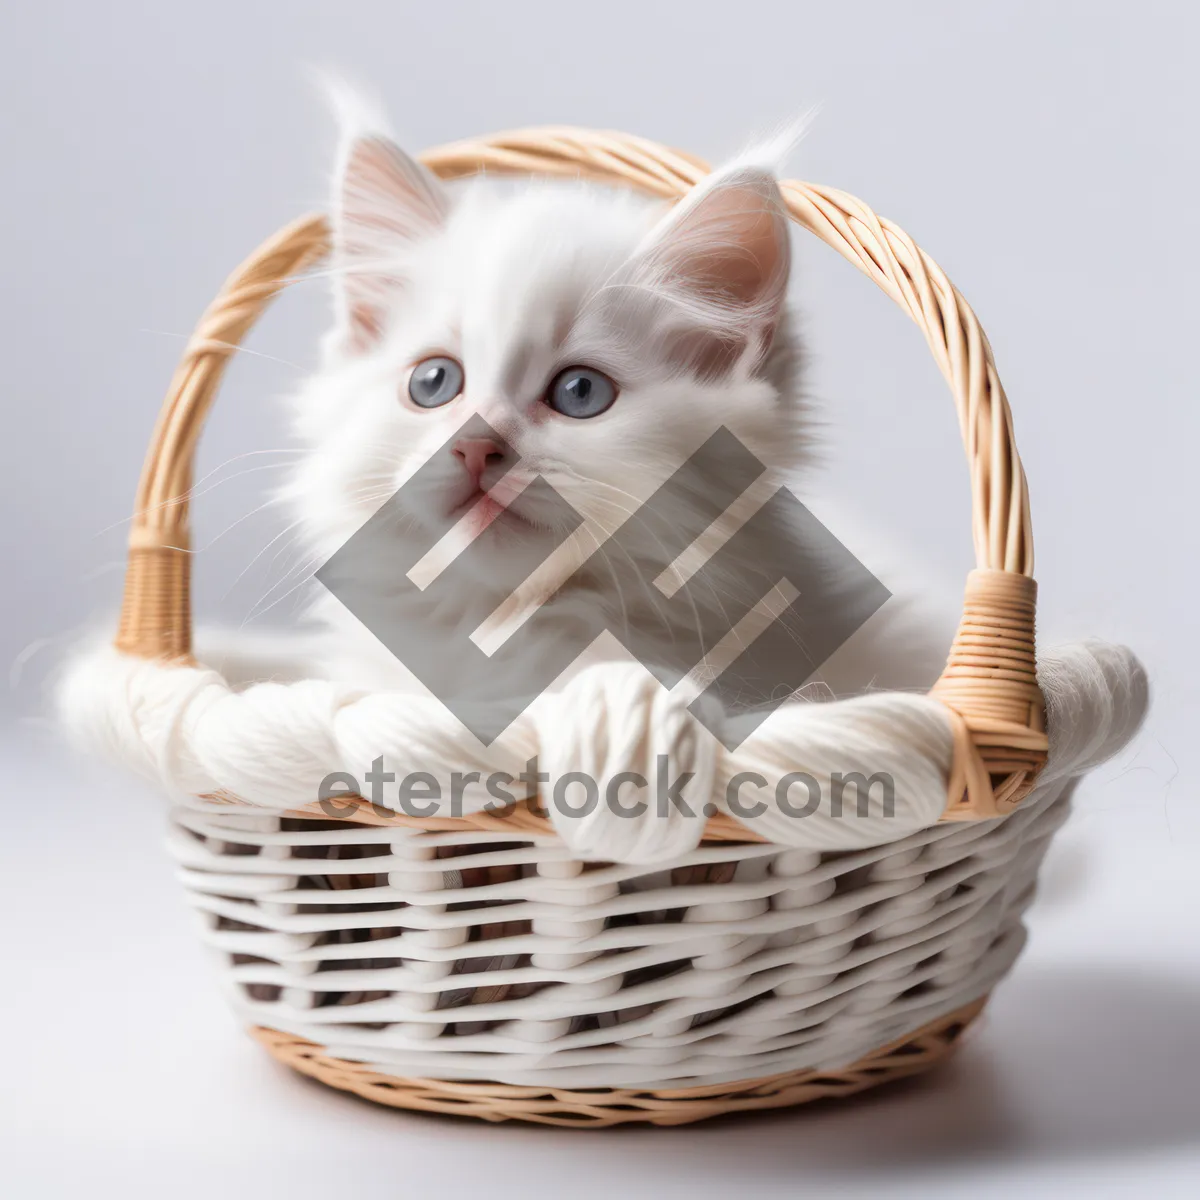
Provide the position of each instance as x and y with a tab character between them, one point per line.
383	201
719	262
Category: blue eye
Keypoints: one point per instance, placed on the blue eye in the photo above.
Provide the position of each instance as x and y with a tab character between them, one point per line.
581	393
434	382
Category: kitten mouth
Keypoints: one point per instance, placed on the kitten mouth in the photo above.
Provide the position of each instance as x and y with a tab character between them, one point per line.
480	509
483	506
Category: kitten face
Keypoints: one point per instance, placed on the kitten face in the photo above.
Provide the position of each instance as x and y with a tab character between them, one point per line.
682	310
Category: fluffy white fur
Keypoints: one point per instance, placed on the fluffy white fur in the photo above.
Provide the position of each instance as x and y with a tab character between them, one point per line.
683	308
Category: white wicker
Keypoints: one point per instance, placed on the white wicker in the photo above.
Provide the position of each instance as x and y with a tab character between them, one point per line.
488	956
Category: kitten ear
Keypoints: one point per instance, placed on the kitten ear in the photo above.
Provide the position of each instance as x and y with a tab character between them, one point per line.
383	201
720	259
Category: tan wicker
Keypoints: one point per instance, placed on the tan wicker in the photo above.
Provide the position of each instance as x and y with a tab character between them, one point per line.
600	1108
839	954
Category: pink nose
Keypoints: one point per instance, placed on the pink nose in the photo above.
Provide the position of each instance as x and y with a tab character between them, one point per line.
476	454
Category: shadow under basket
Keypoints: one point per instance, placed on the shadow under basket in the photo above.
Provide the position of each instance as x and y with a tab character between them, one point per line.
472	965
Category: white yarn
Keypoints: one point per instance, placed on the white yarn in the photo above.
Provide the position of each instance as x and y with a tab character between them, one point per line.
1096	696
129	710
413	733
613	718
272	744
904	736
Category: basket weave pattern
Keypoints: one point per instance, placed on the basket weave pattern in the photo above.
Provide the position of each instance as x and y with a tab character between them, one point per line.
474	957
471	965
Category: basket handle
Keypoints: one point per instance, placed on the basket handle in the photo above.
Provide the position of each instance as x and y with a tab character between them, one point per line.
989	685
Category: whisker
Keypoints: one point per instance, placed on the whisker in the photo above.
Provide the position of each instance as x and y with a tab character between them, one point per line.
193	493
282	533
233	346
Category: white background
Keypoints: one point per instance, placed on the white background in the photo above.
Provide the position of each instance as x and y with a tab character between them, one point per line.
1043	153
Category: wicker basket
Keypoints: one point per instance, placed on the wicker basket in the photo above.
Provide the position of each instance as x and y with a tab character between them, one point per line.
471	966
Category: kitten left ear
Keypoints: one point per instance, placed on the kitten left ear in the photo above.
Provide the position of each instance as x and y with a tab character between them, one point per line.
383	201
721	260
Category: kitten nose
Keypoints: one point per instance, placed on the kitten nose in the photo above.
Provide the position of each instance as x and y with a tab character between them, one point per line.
476	454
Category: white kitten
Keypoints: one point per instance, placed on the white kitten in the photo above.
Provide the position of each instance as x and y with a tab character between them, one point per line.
602	335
